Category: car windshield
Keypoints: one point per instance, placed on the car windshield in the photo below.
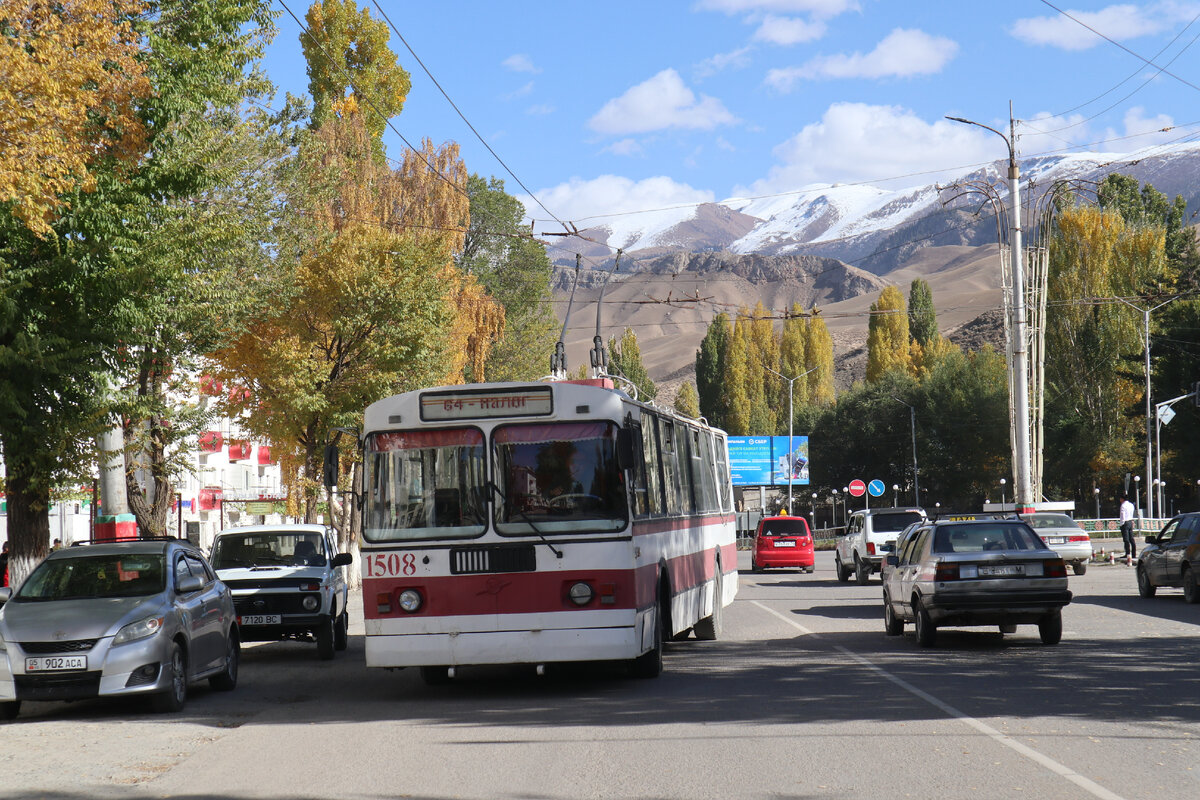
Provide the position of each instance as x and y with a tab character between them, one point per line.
559	477
424	485
784	527
268	549
1050	521
893	521
985	538
113	575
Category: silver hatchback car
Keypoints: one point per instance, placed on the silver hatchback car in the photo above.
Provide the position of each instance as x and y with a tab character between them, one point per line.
976	571
138	617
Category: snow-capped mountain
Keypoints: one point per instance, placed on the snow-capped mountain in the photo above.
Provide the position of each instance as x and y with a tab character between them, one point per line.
871	227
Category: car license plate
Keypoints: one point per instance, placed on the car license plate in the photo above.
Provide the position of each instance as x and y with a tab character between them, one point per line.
55	663
785	544
261	619
1056	540
1005	569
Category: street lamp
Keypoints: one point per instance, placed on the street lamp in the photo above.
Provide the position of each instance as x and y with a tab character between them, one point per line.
1096	491
912	418
895	494
814	507
1003	482
1137	495
1019	368
833	500
791	463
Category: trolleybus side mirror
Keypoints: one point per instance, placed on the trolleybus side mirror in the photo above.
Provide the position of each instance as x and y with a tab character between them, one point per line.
330	469
625	451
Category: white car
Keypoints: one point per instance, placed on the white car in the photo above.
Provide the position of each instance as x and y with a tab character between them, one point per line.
287	583
860	551
1064	536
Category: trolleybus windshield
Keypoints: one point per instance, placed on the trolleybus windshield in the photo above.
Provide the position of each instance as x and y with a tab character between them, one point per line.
424	485
558	478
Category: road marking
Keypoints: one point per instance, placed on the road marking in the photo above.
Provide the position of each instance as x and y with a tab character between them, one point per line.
1089	786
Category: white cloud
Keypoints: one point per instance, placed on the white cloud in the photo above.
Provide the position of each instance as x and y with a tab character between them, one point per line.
902	53
659	103
625	147
540	110
1146	131
818	8
859	142
789	30
737	59
519	62
1118	22
522	92
581	201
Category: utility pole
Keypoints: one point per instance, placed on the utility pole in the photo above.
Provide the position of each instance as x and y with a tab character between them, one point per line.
1019	368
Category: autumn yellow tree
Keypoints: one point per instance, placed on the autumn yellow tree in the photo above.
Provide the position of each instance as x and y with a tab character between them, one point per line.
818	356
69	83
887	335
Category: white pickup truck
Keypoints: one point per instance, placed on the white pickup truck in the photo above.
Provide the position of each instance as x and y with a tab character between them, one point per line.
860	551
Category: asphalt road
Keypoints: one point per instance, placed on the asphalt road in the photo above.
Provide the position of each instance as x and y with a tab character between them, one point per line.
803	697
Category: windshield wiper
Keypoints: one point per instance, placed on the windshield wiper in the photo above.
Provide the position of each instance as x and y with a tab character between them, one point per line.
524	516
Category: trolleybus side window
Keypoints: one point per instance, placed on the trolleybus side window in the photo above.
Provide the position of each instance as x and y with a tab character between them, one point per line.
705	472
424	485
723	484
558	477
670	465
683	471
654	495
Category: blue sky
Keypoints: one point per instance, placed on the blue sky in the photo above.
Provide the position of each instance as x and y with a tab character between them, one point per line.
624	106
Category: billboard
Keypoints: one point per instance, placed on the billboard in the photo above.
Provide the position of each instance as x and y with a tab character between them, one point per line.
765	460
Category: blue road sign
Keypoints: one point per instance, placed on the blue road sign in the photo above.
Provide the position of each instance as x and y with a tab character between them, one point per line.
876	488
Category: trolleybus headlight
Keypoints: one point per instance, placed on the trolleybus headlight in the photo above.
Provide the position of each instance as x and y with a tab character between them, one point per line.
581	593
310	602
410	600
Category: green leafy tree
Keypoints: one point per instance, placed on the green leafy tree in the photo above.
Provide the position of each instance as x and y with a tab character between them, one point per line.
514	269
75	308
351	68
625	359
887	335
687	402
922	318
711	373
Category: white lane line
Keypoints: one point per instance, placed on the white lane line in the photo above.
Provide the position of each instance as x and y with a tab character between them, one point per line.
1089	786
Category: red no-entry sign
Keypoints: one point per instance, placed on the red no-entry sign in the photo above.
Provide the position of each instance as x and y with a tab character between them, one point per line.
857	488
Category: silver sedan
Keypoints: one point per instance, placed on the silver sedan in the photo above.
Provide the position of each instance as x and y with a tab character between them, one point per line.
957	572
1064	536
138	617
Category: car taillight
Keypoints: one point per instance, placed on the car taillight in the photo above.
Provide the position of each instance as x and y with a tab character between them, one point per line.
1078	539
870	548
1054	568
946	572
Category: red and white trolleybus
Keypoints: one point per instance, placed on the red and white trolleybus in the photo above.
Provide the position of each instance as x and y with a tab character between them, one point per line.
531	523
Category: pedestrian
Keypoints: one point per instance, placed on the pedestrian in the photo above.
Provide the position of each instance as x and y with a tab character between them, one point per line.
4	564
1127	512
56	546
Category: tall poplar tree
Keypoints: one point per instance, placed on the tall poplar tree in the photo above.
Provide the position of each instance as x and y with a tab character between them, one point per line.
625	359
922	317
712	379
818	353
887	335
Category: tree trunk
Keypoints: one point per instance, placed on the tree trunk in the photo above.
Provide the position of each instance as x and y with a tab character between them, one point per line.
28	523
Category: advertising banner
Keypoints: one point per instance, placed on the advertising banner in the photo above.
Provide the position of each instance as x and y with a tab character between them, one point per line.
765	460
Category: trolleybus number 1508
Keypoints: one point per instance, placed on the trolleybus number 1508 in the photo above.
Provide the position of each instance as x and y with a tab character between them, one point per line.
390	565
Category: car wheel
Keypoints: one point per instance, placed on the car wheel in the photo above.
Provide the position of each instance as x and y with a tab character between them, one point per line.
325	638
1050	628
754	567
1008	627
226	679
650	663
862	571
892	625
709	628
926	630
1191	592
1080	567
176	694
341	633
1145	587
435	676
10	710
843	574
